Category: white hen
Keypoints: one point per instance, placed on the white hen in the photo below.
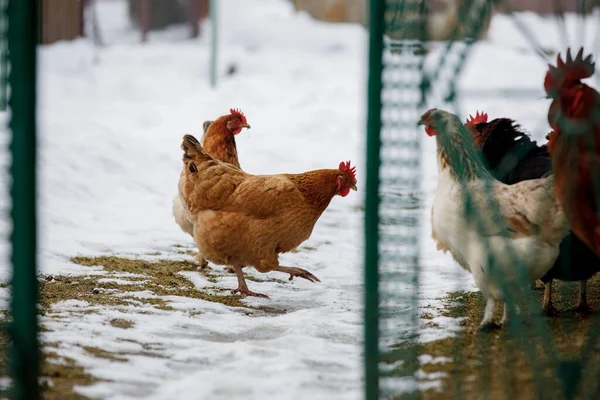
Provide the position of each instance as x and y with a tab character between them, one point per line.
519	226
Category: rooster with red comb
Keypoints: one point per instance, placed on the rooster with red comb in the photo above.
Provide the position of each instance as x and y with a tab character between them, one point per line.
574	145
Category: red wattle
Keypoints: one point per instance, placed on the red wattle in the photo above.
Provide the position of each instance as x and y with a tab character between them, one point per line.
430	131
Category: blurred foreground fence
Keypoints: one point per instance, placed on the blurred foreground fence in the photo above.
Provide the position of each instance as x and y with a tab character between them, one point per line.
18	73
535	357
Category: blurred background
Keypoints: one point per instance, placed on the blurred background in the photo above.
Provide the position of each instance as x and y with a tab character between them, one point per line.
70	19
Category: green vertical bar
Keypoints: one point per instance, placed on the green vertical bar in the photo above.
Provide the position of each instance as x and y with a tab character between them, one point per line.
376	28
214	42
22	39
3	56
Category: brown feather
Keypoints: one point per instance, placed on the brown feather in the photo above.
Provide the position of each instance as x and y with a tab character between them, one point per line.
219	142
575	150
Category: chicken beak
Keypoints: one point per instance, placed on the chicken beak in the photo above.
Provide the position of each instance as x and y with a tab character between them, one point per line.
420	122
353	187
245	126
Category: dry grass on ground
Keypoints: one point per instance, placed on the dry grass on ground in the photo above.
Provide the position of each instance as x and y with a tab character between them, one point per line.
161	278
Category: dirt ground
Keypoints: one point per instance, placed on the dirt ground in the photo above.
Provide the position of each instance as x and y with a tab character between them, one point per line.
540	357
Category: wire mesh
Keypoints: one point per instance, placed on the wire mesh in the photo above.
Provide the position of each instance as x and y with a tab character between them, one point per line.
531	357
4	138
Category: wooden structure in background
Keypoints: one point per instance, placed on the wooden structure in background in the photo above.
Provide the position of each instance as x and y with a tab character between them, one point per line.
64	19
60	20
547	7
149	15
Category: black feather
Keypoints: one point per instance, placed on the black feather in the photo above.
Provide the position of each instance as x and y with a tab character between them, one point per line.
575	262
510	153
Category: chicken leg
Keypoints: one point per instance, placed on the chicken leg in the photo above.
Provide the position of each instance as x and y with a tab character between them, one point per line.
299	272
582	306
243	287
505	315
201	261
548	308
487	323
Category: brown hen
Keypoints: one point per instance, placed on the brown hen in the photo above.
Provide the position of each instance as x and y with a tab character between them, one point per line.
219	141
247	220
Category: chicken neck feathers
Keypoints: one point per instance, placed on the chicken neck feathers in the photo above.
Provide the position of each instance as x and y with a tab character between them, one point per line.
456	151
220	143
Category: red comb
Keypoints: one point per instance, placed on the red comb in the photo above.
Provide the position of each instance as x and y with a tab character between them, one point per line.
568	72
239	113
345	166
477	119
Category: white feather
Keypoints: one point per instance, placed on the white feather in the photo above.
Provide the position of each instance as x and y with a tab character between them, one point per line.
469	244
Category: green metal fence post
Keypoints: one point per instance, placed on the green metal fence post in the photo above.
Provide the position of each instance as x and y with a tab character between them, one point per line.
22	39
371	318
213	42
3	57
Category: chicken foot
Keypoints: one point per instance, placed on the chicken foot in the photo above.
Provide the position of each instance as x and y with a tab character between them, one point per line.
243	287
547	308
299	272
534	286
201	261
293	271
505	315
487	323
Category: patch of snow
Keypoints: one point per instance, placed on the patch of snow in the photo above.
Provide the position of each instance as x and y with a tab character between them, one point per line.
199	281
428	359
430	375
70	304
5	384
441	328
4	298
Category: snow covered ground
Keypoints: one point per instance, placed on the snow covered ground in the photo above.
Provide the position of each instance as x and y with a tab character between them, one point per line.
110	125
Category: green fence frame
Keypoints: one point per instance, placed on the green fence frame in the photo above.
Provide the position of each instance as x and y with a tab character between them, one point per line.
22	40
214	40
372	200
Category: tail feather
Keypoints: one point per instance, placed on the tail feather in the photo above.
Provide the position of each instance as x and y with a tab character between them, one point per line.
190	141
193	153
192	148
